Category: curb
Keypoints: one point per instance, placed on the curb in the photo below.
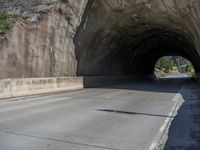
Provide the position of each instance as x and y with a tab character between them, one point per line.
162	135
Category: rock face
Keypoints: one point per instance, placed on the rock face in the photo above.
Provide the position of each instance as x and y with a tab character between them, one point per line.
115	37
129	36
23	5
26	8
42	44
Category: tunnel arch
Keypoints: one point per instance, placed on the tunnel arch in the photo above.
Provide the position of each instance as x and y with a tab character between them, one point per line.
130	41
143	56
137	53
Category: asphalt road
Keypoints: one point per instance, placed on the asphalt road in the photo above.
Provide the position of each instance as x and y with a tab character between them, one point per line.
184	133
121	117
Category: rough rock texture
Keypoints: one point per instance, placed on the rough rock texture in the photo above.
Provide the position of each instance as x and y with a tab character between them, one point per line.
28	9
22	6
115	37
42	47
129	36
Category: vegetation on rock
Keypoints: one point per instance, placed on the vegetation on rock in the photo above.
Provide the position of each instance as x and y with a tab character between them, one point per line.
6	22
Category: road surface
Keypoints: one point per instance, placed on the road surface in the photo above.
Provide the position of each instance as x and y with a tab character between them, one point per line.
121	117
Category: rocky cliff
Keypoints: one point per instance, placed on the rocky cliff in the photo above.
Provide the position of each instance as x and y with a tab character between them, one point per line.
97	37
41	42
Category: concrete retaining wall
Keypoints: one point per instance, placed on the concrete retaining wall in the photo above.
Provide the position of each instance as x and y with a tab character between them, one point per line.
96	81
29	86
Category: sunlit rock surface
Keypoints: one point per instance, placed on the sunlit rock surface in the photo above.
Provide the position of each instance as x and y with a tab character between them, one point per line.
42	47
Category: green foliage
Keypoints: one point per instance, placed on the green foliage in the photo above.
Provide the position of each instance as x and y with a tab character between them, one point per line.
169	65
6	22
166	64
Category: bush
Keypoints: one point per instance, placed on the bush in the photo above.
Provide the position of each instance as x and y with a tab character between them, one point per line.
6	22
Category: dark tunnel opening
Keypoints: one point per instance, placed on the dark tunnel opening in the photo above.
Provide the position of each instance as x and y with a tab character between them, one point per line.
131	49
139	58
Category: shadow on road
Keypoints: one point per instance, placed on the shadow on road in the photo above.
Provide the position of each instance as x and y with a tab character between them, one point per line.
164	85
184	133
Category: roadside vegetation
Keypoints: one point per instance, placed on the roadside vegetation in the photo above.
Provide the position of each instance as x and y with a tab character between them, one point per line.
6	22
174	65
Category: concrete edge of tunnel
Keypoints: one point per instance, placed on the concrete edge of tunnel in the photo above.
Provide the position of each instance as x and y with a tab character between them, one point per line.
18	87
162	135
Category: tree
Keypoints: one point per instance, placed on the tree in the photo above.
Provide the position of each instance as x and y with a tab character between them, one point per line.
168	63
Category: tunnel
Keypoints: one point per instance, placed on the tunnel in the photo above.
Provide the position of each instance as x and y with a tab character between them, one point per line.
122	40
139	57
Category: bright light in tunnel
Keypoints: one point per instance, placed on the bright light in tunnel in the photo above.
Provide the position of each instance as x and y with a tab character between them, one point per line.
173	66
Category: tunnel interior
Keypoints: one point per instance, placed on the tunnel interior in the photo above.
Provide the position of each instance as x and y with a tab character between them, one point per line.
123	51
130	42
139	58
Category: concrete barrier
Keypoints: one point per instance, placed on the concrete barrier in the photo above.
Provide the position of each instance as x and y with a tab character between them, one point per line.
96	81
29	86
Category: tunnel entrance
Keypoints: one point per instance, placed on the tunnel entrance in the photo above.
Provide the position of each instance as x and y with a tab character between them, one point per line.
141	57
173	66
125	43
123	52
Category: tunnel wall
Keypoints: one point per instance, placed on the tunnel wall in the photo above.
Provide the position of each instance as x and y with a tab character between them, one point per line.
129	36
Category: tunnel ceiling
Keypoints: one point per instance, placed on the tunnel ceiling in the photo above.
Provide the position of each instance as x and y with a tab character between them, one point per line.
128	36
